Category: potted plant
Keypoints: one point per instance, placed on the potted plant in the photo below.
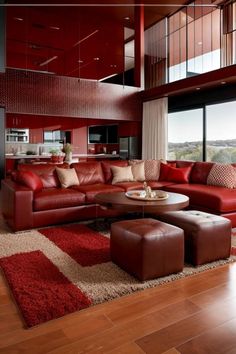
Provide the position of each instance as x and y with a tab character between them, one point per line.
67	149
56	155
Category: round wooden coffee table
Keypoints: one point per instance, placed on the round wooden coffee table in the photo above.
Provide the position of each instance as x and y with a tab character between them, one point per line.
119	200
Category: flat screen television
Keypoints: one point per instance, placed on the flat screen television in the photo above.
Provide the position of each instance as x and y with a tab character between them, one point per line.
103	134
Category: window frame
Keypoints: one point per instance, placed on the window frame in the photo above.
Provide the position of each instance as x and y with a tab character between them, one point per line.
202	106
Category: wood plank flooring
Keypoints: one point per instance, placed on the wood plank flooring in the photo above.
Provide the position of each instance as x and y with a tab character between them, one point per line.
192	315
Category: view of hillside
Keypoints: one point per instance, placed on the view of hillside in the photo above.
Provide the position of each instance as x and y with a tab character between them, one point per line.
218	151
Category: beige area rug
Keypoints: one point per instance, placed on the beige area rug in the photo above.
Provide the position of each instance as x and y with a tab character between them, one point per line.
78	257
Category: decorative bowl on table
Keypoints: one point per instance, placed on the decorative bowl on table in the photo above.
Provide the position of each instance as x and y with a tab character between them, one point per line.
141	195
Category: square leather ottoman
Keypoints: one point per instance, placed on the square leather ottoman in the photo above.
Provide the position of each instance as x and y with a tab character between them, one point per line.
147	248
207	236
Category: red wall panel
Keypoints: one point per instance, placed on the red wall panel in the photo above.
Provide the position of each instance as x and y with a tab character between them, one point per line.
43	94
80	140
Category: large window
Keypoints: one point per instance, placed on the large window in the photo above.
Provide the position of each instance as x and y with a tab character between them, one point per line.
192	41
191	51
185	132
221	132
188	140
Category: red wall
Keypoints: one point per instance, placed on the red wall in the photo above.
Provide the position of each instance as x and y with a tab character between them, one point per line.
43	94
80	140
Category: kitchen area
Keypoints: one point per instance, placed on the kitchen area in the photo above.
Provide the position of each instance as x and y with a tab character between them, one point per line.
34	139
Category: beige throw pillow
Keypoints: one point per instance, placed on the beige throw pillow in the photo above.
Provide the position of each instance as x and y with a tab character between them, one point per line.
151	168
138	171
122	174
67	177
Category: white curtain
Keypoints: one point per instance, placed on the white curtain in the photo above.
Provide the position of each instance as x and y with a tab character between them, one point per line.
154	140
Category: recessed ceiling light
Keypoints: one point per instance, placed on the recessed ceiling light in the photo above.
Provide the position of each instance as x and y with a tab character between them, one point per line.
96	58
54	28
80	61
127	18
85	38
223	82
34	46
48	61
18	18
198	88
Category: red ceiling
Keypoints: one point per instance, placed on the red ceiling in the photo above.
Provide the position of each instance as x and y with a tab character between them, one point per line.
81	41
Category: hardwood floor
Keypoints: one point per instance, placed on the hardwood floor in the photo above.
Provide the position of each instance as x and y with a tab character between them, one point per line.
192	315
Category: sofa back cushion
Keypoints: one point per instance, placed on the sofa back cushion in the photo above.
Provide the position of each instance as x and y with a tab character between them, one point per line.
222	175
89	172
46	172
30	180
106	167
182	163
200	172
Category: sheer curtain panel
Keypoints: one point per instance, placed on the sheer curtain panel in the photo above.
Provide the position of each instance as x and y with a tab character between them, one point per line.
155	117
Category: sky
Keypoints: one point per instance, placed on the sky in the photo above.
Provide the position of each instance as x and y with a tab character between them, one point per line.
187	125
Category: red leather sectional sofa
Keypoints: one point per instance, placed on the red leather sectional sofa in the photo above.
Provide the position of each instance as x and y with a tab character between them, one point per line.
25	208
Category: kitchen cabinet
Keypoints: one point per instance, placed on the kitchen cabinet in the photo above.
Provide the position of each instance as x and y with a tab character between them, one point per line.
36	136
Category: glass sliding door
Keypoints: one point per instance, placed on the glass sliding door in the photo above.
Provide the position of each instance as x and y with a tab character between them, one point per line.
185	135
221	132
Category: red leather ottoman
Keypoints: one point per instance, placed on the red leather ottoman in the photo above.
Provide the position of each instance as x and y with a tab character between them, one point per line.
147	248
207	236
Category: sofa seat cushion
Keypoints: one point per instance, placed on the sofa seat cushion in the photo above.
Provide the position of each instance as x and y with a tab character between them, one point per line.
56	198
159	184
219	199
91	191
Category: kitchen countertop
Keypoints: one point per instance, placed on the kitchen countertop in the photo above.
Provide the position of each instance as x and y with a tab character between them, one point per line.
24	156
106	156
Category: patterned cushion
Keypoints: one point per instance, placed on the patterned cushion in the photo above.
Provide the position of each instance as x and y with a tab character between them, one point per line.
151	167
223	175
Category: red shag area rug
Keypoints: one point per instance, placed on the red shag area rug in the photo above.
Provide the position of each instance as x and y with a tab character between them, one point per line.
85	246
233	242
41	291
59	270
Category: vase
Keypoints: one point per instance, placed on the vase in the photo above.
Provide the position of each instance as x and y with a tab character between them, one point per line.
68	157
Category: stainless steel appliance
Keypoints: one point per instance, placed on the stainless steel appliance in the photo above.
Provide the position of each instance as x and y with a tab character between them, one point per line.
129	148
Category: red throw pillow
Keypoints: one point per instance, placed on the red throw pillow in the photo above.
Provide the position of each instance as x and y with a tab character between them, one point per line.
30	180
164	171
179	175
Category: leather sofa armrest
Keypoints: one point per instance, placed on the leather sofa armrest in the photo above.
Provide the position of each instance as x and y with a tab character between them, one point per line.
17	205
